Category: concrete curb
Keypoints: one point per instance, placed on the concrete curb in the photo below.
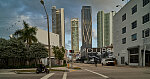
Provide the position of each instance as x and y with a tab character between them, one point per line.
25	72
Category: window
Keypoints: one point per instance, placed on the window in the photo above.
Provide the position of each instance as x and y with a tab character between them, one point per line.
98	49
134	24
145	18
134	37
143	35
124	17
146	33
134	56
145	2
123	30
134	9
122	60
123	40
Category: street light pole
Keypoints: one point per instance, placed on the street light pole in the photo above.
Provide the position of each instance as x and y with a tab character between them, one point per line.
42	2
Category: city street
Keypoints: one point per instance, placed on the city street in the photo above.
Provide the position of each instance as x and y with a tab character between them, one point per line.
89	71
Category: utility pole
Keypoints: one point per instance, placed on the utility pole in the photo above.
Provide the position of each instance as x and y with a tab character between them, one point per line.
49	51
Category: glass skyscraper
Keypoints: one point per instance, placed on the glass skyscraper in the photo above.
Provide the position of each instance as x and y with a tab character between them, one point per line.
104	28
86	26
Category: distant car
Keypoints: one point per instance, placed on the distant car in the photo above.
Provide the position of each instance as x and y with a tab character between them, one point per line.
91	61
108	62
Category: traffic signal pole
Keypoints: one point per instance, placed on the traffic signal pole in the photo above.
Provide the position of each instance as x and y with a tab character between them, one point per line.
72	60
71	51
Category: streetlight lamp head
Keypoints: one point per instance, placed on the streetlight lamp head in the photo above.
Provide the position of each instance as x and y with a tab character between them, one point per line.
42	2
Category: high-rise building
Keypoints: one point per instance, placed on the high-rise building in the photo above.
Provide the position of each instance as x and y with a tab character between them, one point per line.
86	26
104	28
58	24
75	34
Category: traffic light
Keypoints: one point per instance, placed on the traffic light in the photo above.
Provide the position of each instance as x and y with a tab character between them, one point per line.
71	51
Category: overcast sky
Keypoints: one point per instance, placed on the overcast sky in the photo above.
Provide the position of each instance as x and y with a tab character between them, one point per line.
13	12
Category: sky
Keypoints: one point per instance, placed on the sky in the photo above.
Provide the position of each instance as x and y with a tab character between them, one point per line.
13	12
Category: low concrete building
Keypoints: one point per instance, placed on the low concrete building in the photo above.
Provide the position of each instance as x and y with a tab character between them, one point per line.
131	32
42	37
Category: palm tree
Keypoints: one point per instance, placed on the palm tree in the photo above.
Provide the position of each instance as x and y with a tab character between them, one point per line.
27	34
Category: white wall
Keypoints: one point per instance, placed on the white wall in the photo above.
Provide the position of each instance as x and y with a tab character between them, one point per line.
118	25
42	37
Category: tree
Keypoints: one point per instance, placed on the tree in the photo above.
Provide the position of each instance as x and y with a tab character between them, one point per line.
59	52
3	44
37	51
27	34
13	50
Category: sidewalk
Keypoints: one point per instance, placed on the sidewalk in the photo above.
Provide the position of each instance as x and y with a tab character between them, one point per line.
7	71
32	70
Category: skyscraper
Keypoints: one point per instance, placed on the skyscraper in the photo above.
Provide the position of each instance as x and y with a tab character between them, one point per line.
104	28
58	24
75	34
86	26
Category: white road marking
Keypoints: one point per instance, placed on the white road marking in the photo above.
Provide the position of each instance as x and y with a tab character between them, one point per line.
47	76
97	73
65	75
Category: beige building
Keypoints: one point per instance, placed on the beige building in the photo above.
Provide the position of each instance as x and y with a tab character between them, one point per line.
58	24
75	35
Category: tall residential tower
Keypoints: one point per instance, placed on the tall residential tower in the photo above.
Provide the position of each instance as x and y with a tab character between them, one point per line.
58	24
75	34
104	28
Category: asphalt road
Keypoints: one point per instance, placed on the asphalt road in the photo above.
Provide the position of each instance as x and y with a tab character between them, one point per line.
89	71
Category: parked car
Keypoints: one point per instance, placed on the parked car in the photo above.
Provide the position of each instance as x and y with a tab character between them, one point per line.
108	62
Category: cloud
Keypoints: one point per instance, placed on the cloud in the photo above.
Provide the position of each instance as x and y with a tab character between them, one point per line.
69	41
94	34
80	35
67	46
32	11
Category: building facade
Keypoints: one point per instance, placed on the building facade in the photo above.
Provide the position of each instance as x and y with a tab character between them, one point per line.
86	27
104	28
131	29
75	34
58	24
42	37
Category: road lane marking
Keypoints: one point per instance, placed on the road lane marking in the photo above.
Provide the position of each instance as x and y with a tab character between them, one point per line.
65	75
47	76
97	73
